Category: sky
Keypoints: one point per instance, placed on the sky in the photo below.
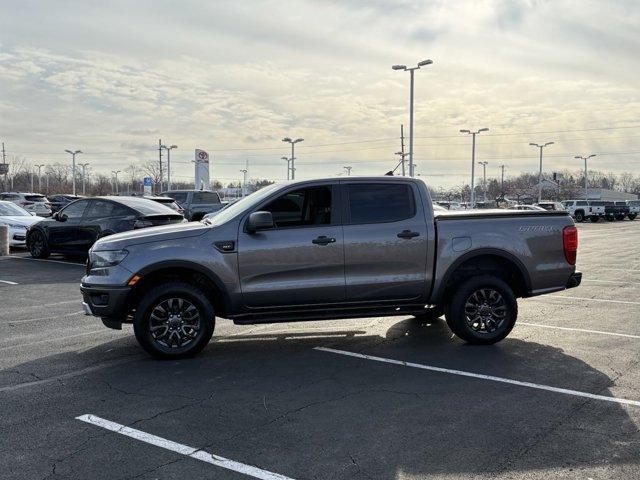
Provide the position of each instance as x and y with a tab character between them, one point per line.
234	78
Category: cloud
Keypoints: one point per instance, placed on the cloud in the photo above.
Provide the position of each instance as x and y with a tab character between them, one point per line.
233	75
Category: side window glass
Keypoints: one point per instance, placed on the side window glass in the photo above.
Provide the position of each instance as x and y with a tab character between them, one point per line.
380	203
304	207
105	208
75	209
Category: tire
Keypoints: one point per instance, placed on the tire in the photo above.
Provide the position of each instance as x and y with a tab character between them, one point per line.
610	218
595	219
619	217
188	306
579	216
430	315
497	301
632	216
38	247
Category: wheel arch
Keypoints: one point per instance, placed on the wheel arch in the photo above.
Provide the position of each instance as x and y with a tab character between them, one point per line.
483	261
182	270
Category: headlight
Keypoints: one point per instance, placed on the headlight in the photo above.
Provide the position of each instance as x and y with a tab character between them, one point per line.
106	258
13	225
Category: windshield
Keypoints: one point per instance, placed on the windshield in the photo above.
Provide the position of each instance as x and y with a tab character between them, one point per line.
241	205
12	210
35	198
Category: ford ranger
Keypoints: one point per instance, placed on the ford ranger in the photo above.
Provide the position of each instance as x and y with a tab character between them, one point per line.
329	249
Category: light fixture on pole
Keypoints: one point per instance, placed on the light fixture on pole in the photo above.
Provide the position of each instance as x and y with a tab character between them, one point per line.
540	171
411	70
586	183
84	175
288	166
115	173
39	167
168	149
348	169
293	157
484	178
402	155
473	161
73	168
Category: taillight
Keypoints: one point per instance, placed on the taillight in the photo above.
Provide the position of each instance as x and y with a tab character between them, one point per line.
570	243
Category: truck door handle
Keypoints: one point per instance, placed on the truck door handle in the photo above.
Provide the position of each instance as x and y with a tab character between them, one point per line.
407	234
323	240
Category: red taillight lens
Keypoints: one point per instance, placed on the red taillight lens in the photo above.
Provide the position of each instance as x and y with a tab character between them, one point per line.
570	242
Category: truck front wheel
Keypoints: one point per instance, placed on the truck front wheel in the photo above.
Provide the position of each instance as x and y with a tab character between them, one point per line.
174	320
482	310
579	216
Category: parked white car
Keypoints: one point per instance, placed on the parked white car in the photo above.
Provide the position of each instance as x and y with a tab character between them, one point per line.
18	220
634	208
31	202
551	205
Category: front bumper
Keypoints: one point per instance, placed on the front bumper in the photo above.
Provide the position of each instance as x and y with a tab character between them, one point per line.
109	302
574	280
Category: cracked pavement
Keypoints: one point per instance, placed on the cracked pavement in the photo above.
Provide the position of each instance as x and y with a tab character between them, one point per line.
261	395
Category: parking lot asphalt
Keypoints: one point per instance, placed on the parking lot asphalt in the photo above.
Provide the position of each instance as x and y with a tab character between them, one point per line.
382	398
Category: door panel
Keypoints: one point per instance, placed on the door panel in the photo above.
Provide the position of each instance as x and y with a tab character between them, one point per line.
301	260
104	217
64	235
385	241
284	267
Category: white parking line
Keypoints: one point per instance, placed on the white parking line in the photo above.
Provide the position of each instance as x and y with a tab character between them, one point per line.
553	327
8	282
186	450
491	378
621	282
552	297
51	261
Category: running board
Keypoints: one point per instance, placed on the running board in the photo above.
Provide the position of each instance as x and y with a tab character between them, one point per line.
308	314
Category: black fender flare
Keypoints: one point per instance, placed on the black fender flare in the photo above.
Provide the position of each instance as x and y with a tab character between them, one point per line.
481	252
188	265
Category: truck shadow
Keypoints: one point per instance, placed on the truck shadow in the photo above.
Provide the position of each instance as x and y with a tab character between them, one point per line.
271	398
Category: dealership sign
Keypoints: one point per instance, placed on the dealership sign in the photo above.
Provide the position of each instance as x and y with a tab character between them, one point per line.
4	168
201	170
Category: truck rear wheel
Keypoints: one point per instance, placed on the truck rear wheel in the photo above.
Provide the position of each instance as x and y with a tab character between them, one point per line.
174	320
632	216
482	310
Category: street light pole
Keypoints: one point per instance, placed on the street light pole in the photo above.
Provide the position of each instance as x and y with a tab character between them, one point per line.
293	157
73	168
502	167
411	70
348	170
473	161
244	180
586	188
484	178
116	172
168	149
84	166
540	171
288	166
39	167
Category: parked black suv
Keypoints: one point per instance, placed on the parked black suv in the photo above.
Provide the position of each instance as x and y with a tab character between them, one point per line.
78	225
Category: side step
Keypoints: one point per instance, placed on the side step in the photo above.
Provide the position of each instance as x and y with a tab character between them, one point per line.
333	314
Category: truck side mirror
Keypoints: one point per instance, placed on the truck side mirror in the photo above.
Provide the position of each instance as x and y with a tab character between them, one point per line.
55	215
259	221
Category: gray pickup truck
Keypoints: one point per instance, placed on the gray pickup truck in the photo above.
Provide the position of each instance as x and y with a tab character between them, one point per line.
329	249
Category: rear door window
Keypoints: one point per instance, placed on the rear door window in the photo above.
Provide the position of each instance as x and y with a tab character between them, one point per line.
179	197
379	202
206	197
105	208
